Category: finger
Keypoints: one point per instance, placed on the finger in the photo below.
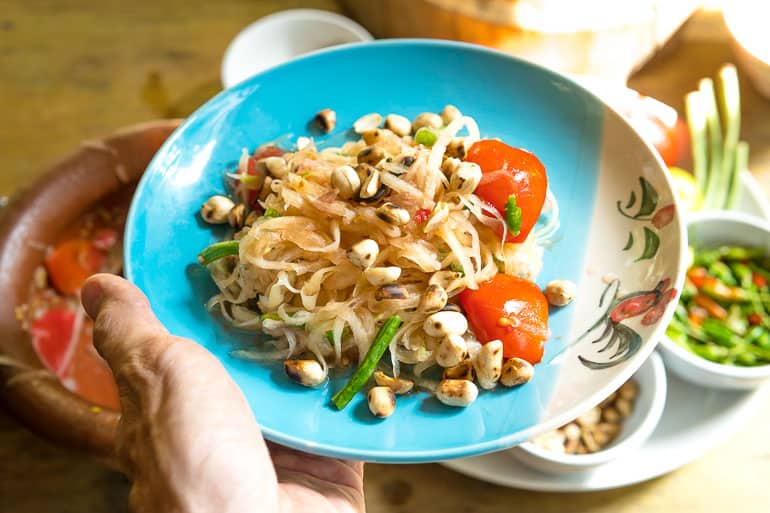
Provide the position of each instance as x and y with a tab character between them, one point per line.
124	325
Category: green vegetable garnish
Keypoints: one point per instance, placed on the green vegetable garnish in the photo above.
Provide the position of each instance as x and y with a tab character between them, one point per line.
218	250
735	329
425	136
513	215
369	363
251	181
270	317
271	213
330	335
457	267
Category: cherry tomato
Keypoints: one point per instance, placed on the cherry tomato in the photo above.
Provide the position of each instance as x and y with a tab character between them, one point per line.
506	171
659	124
71	262
512	310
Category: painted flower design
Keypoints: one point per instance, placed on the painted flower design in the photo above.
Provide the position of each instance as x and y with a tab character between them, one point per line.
647	211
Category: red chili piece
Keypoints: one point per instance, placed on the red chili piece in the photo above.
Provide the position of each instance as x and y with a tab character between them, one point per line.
421	215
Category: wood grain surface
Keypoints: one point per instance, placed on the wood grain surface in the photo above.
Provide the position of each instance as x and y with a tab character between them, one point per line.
77	69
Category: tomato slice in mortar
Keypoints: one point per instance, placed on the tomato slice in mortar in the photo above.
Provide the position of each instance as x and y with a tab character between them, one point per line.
53	337
510	171
510	309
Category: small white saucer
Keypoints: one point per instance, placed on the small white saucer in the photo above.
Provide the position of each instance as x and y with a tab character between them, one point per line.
694	420
282	36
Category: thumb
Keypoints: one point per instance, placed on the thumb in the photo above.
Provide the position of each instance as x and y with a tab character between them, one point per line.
124	325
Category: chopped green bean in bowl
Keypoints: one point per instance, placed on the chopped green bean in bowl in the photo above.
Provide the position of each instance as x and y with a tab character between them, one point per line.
720	334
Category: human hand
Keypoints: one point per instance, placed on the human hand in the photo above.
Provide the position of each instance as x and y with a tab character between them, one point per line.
187	438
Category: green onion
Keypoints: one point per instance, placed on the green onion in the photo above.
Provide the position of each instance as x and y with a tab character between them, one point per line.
369	363
513	215
218	250
425	136
457	267
271	213
270	317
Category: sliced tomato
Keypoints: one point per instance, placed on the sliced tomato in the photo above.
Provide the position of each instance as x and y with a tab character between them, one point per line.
270	150
510	309
53	338
510	171
71	262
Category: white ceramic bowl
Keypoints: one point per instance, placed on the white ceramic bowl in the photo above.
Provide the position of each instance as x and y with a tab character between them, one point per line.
710	229
282	36
747	22
648	408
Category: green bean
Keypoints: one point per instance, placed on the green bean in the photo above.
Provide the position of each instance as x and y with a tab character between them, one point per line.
677	336
746	359
710	352
681	312
691	331
218	250
754	333
688	291
757	269
759	352
744	275
717	290
738	253
764	340
736	320
721	271
705	257
369	363
718	332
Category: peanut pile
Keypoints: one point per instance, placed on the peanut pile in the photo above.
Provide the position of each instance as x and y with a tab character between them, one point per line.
595	429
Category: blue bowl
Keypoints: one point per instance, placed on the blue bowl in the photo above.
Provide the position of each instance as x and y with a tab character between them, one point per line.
589	153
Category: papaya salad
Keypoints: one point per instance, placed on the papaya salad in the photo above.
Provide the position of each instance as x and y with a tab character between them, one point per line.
412	239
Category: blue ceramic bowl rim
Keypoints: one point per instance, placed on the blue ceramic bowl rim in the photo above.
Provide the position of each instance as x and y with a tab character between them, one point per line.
471	449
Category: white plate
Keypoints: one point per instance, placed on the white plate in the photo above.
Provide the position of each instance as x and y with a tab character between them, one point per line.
694	421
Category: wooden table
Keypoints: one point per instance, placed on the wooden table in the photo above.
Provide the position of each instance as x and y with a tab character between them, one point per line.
74	70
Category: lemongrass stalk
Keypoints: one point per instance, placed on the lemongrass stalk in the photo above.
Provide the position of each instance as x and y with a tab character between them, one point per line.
730	105
716	188
696	122
741	164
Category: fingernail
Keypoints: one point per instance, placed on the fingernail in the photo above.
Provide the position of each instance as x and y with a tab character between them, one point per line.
92	295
